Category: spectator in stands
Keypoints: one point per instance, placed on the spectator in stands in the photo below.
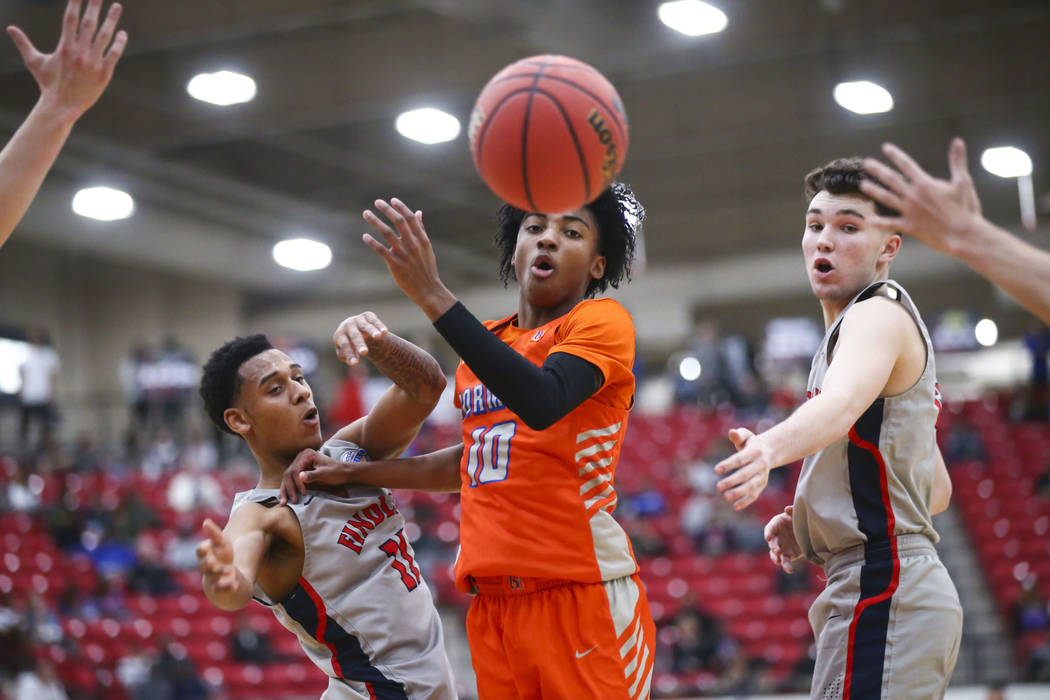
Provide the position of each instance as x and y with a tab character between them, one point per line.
700	642
646	540
648	503
39	683
1030	612
17	649
701	472
964	442
20	495
161	456
181	551
36	398
745	677
709	389
131	518
1037	667
106	600
247	644
133	672
150	575
193	489
40	621
695	515
174	677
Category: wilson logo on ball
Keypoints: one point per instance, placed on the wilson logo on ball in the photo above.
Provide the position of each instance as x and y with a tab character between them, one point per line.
548	134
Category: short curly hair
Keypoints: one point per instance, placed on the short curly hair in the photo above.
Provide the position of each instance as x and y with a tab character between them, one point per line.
619	215
843	176
220	376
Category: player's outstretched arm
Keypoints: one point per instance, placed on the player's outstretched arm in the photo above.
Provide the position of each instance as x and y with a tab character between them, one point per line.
395	420
871	338
229	559
71	79
436	472
946	215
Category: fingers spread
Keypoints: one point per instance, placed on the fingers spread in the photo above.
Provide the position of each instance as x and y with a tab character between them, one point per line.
903	161
105	34
116	50
24	45
881	194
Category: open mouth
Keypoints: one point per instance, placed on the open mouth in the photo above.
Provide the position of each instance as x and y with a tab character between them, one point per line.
823	266
310	416
542	267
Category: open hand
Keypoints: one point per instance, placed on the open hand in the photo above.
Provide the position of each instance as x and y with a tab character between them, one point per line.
780	536
410	257
749	469
940	213
72	78
355	334
215	559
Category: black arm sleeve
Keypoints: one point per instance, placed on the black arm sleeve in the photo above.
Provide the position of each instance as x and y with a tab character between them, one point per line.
540	396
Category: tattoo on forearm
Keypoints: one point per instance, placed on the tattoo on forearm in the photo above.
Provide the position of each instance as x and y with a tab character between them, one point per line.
408	366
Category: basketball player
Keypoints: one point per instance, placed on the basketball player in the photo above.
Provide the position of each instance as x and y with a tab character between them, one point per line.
946	215
71	80
335	568
888	622
544	394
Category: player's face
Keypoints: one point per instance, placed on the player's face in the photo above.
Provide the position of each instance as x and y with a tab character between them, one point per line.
556	257
844	252
275	408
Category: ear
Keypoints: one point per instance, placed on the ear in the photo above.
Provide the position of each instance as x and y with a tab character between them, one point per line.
598	267
237	420
890	248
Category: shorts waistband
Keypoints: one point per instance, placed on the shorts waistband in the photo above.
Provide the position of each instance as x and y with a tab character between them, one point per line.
514	585
907	546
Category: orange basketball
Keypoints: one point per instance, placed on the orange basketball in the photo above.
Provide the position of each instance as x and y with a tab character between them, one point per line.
548	134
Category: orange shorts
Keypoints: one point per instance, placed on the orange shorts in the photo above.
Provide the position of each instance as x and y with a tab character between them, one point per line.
544	638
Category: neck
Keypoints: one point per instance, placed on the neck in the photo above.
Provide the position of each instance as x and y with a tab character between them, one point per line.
833	308
530	316
271	469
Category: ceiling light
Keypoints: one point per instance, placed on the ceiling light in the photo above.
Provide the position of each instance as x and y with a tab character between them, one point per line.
689	368
103	203
863	97
302	254
428	125
222	88
692	17
986	332
1006	161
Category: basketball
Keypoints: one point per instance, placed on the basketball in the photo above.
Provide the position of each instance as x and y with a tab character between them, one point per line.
548	134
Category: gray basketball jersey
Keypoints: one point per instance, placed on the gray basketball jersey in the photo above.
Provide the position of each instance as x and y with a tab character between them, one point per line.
361	609
876	481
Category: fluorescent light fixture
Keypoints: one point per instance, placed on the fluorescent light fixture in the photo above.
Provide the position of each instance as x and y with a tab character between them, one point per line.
427	125
1006	161
863	97
692	17
689	368
986	332
103	203
222	88
302	254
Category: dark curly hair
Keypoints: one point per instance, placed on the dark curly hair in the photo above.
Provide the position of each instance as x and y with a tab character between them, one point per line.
619	216
220	376
843	176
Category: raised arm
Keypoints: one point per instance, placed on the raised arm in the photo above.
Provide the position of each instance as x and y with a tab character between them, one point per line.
395	420
229	559
946	215
540	396
436	472
871	338
71	79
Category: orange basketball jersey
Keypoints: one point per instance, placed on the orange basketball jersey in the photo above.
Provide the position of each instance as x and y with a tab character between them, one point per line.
539	504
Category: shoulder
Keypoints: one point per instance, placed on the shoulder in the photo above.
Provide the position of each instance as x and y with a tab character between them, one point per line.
493	324
342	446
604	311
878	322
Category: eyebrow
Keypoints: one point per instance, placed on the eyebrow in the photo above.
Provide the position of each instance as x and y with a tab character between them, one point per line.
567	217
840	212
274	373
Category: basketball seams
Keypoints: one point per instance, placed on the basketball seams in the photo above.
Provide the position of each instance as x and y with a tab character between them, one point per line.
575	141
618	115
525	139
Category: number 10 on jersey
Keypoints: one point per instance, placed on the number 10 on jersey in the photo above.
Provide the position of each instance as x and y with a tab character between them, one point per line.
488	457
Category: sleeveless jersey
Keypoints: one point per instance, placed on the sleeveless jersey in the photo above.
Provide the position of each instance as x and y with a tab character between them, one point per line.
539	503
876	481
361	610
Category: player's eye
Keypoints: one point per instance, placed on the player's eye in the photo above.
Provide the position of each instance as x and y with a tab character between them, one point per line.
815	227
301	379
274	389
572	233
850	228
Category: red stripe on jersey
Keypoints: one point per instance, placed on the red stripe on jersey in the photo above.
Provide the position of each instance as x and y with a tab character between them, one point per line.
322	623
